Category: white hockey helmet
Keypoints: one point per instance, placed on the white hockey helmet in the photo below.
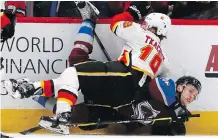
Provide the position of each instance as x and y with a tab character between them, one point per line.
160	21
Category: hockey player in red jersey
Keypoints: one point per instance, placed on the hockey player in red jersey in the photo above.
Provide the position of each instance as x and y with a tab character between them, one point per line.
12	10
115	85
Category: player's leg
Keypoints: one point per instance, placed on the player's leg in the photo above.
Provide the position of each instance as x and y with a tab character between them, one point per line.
101	114
83	44
82	47
64	88
48	103
109	80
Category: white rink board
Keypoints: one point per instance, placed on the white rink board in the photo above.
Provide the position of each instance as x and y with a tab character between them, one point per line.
187	47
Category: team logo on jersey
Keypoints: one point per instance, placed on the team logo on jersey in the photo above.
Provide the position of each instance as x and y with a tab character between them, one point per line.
212	64
162	17
144	110
127	24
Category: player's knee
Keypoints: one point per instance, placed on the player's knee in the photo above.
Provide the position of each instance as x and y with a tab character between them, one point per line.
68	89
85	46
69	77
78	55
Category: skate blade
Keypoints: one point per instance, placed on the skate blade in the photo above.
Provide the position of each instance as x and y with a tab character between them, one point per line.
60	129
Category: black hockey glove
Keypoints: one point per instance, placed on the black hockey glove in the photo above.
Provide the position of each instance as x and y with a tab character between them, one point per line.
8	31
138	9
179	113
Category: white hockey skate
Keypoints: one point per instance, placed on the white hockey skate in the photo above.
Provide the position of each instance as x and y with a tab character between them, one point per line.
56	123
87	10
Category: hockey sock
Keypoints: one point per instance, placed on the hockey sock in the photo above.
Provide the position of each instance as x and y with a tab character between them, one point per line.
83	44
48	102
85	36
47	86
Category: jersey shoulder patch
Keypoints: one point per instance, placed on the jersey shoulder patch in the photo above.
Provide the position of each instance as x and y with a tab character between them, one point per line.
127	24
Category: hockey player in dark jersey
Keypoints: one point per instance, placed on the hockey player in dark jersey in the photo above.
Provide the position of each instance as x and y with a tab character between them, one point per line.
110	86
183	91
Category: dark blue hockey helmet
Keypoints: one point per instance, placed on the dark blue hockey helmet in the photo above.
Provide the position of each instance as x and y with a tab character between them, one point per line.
184	80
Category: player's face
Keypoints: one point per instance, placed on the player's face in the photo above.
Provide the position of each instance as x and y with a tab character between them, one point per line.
189	93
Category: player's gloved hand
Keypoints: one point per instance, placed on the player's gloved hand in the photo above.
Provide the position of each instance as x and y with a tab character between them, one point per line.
8	21
21	88
138	9
179	112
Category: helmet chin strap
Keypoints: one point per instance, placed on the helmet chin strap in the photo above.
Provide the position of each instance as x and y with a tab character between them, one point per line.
179	95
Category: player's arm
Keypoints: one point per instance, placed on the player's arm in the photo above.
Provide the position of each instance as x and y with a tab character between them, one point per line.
163	90
165	69
12	10
134	13
16	7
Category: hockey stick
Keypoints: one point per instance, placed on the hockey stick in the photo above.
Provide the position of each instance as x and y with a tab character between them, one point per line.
116	122
32	130
102	46
128	121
